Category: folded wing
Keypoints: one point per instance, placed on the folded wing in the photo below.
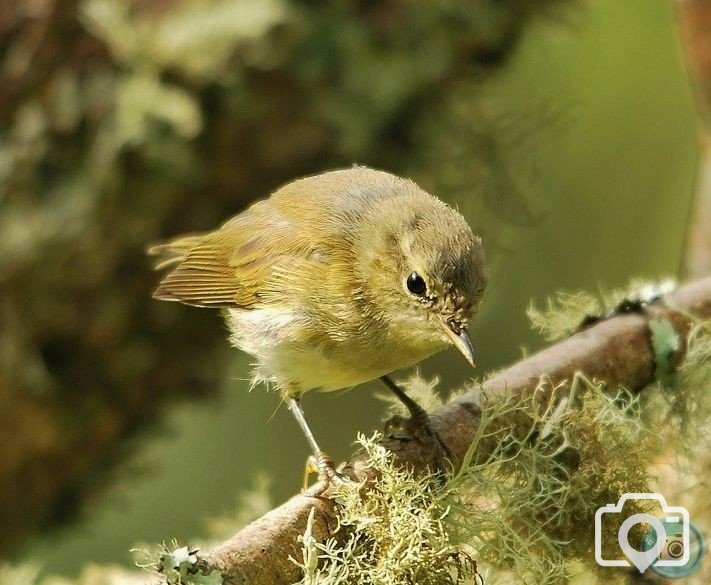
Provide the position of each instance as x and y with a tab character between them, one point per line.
232	266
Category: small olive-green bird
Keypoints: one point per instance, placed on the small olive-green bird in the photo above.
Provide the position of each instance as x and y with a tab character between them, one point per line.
334	280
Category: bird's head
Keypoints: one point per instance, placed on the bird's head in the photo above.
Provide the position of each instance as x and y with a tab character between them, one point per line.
424	268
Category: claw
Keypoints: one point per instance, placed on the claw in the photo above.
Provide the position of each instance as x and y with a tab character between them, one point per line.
419	428
395	422
328	476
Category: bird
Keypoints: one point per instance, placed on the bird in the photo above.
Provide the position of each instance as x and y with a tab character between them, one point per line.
334	280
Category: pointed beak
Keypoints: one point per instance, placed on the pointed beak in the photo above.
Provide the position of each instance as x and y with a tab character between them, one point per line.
459	338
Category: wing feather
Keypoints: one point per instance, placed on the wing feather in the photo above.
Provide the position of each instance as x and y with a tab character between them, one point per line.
200	274
258	254
232	266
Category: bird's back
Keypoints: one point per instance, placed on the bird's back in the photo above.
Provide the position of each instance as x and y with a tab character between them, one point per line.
235	265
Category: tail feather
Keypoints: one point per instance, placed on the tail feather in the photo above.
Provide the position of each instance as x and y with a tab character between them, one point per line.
172	253
199	272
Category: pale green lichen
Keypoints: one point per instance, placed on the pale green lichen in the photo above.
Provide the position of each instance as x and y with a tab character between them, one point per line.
525	510
421	390
529	507
183	566
174	564
522	506
562	314
565	312
682	409
686	405
665	342
397	532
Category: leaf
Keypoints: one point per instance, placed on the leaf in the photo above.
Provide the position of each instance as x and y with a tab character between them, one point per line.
665	341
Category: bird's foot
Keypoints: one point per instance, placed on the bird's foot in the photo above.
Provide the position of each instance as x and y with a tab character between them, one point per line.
419	427
328	475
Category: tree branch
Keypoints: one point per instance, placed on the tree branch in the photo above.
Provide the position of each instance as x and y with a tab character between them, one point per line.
617	351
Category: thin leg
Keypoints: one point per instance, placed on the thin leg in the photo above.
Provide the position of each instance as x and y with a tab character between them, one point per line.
419	416
298	412
320	461
415	410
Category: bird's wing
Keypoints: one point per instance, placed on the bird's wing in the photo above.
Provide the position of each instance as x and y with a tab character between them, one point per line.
230	266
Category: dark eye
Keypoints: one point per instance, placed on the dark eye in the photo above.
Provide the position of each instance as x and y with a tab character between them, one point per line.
416	284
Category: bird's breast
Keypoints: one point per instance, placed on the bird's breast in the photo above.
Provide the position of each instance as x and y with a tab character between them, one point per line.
296	356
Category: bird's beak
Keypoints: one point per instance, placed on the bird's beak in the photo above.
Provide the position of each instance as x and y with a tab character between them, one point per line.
460	340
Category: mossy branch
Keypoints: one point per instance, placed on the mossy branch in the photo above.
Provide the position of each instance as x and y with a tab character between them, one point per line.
618	351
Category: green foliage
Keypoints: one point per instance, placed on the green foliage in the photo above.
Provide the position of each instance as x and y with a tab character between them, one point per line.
665	341
145	121
195	37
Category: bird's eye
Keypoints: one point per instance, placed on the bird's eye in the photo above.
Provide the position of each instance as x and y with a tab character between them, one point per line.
416	284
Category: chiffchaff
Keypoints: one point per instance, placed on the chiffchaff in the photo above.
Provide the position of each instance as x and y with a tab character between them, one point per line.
335	280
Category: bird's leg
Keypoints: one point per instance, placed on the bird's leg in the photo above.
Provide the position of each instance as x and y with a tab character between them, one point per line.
417	413
420	419
320	460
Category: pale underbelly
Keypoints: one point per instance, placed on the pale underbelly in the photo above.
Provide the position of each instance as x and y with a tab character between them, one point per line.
307	370
296	368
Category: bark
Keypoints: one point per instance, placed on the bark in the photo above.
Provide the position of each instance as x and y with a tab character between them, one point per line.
617	351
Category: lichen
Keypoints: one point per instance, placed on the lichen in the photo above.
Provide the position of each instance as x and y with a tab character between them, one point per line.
520	509
529	506
565	312
184	566
421	390
562	314
397	532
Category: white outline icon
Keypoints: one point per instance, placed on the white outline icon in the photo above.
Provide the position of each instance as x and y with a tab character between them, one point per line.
643	559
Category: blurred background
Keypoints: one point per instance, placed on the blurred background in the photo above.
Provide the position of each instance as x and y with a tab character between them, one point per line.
565	130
